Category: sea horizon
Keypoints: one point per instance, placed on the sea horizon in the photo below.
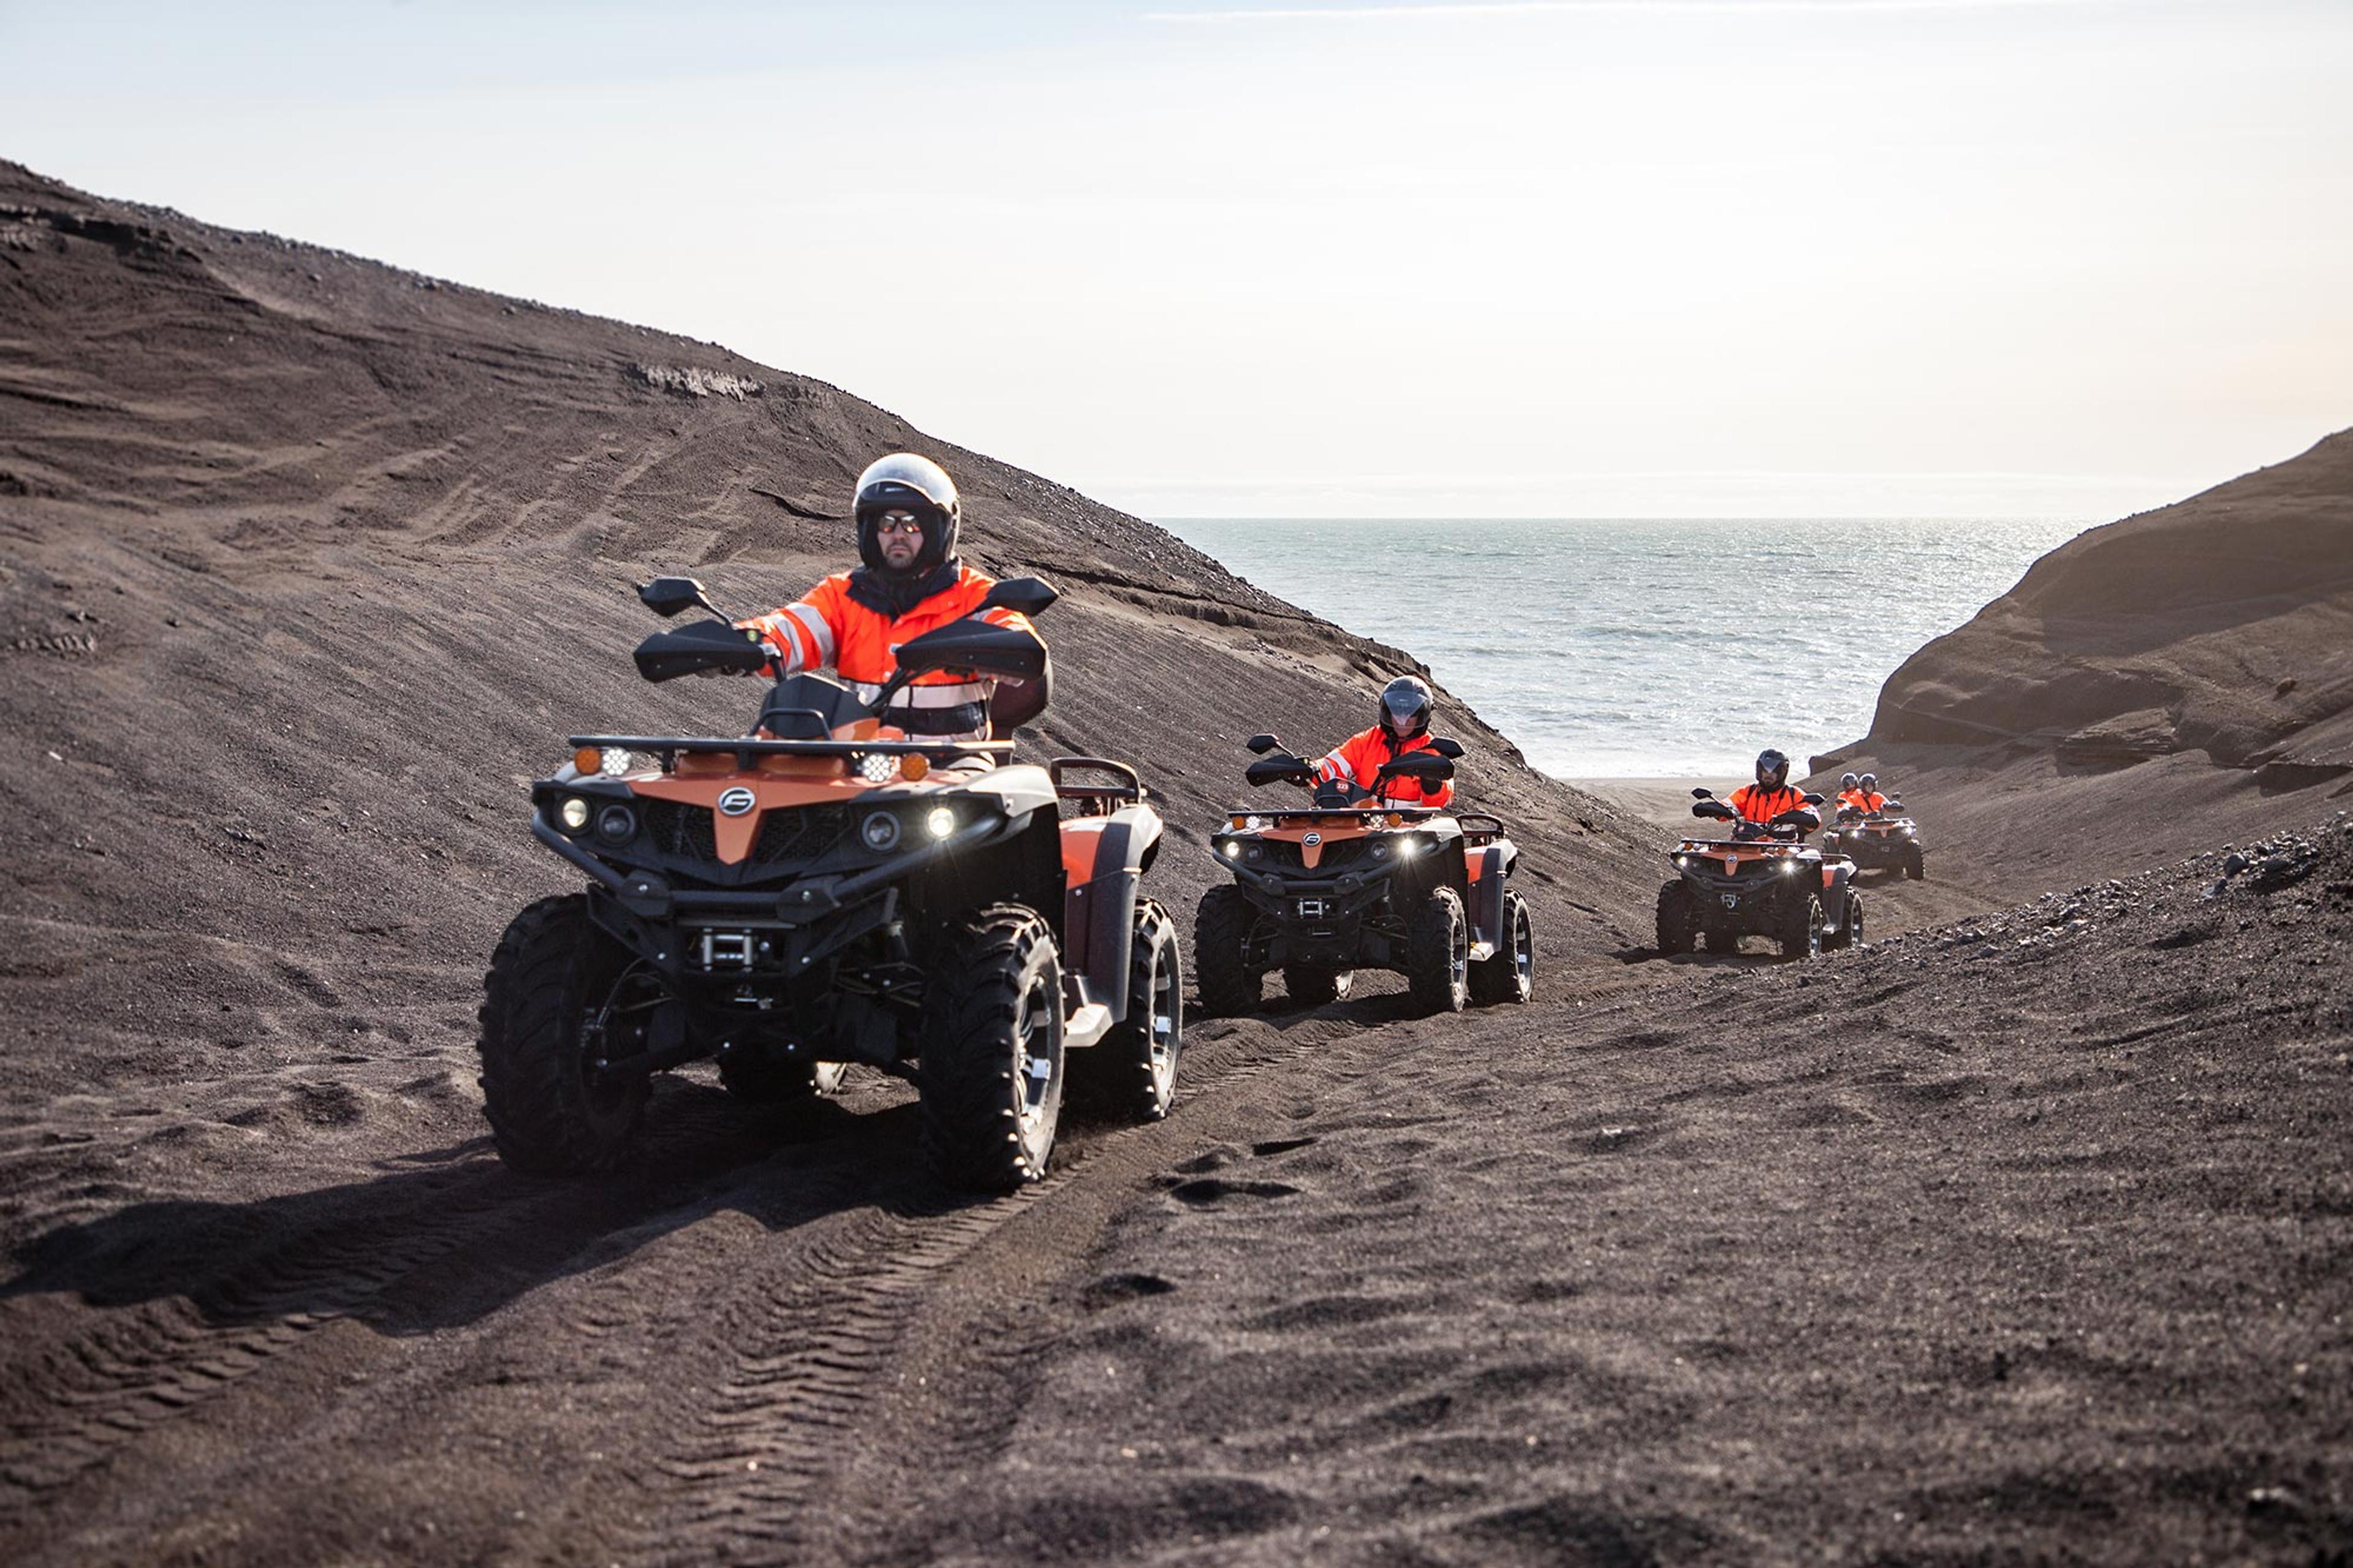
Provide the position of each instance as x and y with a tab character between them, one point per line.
1644	647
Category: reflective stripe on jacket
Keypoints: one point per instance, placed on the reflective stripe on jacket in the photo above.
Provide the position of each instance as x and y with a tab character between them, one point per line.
1755	802
827	625
1359	758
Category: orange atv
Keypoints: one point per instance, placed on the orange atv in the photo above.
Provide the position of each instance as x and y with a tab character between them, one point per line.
1352	883
825	892
1765	881
1879	840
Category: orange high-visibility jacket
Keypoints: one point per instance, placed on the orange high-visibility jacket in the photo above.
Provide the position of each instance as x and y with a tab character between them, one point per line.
1358	760
1863	802
827	625
1757	803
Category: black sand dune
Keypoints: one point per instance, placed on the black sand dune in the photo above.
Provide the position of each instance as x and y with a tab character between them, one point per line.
307	564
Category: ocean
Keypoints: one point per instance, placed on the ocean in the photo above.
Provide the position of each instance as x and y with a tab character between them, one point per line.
1629	649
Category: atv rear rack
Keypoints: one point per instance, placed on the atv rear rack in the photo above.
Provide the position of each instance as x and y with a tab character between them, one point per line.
1097	799
743	748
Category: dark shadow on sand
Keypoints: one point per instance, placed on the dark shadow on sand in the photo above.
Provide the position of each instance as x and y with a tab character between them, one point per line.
451	1235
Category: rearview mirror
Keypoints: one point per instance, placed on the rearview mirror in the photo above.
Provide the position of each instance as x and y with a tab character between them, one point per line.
666	596
1261	745
1445	747
1703	794
1023	595
1810	798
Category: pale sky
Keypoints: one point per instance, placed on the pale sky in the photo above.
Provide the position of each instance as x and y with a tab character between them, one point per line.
1593	257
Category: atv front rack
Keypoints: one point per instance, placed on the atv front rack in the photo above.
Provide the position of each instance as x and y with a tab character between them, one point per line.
1333	813
669	747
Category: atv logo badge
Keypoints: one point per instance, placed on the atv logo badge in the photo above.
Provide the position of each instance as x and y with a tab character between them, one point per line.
736	801
1313	838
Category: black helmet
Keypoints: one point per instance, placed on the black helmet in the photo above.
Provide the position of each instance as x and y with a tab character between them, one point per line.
1770	762
1407	701
905	482
1871	780
1846	781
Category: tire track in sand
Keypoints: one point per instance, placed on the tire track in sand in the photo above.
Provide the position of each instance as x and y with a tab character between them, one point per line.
79	1399
810	1333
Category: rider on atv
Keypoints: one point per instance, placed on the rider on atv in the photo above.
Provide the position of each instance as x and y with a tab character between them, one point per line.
911	581
1772	796
1402	725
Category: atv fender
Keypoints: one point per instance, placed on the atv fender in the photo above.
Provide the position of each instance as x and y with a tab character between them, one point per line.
1838	878
1485	870
1021	787
1104	860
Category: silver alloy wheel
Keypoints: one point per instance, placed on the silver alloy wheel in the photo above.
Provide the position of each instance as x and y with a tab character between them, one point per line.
1033	1074
1164	1004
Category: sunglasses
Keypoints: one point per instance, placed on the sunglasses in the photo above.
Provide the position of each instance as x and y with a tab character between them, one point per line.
898	524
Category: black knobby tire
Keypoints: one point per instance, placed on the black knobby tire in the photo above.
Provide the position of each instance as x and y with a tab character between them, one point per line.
1438	953
1678	919
1221	928
548	1114
1132	1073
1801	933
779	1081
991	1077
1510	975
1915	863
1315	985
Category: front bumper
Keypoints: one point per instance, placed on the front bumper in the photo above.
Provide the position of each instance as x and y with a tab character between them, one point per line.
1310	919
652	897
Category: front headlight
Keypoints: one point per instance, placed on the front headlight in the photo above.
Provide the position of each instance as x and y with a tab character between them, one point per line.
1683	860
572	813
1254	823
1788	868
880	831
874	767
1230	848
1409	847
940	822
617	825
